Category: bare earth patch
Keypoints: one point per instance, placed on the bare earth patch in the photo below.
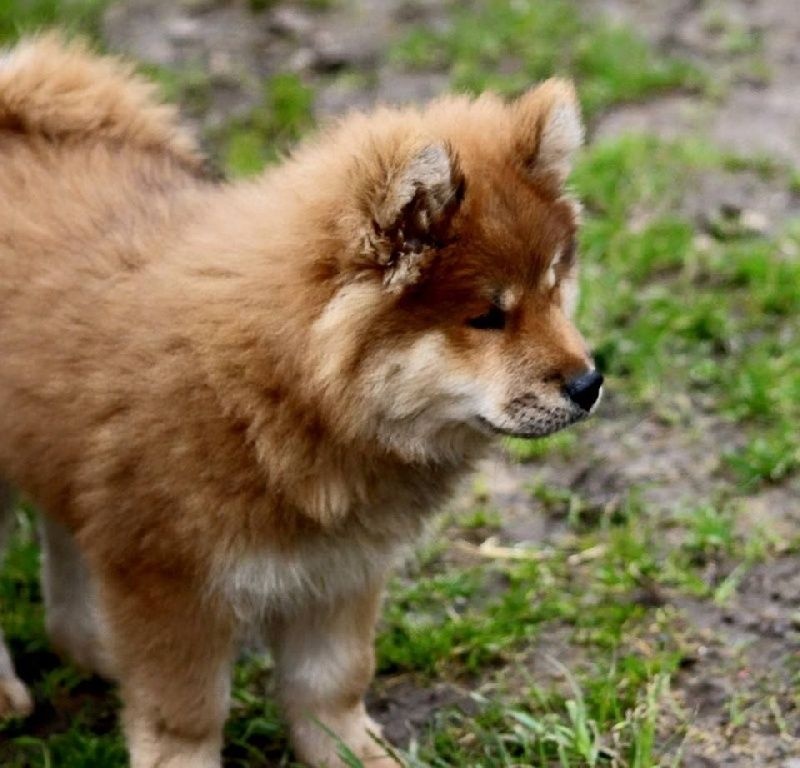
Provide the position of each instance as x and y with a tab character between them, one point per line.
405	708
340	50
750	48
735	702
738	690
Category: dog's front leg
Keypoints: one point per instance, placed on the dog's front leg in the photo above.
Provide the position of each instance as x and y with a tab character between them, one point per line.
171	653
325	662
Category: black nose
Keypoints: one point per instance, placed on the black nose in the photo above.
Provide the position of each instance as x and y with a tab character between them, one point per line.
584	390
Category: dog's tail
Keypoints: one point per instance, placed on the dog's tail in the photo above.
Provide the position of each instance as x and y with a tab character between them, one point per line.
63	92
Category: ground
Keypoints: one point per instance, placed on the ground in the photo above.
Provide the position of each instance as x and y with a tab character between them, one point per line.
625	594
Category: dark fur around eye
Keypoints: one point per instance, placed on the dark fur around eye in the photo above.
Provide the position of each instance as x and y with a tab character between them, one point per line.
568	255
493	320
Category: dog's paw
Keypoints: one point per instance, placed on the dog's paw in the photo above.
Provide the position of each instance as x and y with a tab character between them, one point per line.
15	701
381	761
367	746
323	746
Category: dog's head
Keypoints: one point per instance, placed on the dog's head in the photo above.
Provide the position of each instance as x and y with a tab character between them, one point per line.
456	288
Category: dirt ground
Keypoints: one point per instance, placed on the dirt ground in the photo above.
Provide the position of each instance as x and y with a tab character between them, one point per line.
751	646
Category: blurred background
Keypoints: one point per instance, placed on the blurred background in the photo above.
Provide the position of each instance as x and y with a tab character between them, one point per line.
623	594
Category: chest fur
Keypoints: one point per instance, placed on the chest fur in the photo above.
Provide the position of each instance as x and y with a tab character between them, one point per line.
365	521
258	584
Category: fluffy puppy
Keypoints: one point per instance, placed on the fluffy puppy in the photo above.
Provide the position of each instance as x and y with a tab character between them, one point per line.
234	404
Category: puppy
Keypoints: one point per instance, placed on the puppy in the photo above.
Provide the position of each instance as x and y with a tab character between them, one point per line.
235	404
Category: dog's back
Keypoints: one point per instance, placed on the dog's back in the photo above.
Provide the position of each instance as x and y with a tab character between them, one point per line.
85	150
95	174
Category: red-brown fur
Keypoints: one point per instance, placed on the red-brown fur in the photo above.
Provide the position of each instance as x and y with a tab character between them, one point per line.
216	390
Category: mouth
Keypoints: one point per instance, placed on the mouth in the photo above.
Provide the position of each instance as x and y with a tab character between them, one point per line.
530	432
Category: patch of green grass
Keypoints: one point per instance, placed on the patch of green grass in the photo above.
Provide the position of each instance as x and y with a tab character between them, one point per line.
710	531
76	748
20	593
673	315
481	517
771	457
464	623
255	736
494	44
81	710
188	86
246	144
19	17
257	6
742	45
567	735
467	623
581	515
561	443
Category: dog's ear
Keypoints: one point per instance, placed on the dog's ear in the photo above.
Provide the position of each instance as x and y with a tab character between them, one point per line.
412	211
547	131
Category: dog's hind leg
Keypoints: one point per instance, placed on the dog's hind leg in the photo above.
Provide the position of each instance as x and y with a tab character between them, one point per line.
72	617
14	696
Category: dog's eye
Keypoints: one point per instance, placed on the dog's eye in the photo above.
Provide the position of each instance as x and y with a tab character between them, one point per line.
493	320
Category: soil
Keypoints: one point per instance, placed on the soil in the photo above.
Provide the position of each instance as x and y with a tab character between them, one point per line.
747	651
405	708
750	47
341	51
